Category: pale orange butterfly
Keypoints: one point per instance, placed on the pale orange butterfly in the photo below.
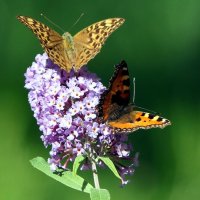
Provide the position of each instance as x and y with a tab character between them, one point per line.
72	52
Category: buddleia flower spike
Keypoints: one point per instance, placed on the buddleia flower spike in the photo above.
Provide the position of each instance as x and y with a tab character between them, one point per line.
65	107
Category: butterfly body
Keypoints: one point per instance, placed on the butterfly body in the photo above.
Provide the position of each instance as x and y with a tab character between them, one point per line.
69	51
116	110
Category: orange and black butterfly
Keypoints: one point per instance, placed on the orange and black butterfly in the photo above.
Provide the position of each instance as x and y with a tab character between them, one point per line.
116	110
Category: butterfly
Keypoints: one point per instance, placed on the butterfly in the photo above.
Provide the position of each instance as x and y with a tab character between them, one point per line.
72	52
116	110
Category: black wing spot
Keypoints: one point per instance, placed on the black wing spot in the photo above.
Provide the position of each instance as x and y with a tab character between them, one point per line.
159	119
126	82
151	116
138	119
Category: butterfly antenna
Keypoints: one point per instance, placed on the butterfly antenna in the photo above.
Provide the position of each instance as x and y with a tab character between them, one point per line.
52	22
133	90
77	20
150	111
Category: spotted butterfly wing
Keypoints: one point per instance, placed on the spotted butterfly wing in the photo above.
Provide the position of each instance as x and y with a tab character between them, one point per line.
117	97
50	40
89	41
116	110
72	52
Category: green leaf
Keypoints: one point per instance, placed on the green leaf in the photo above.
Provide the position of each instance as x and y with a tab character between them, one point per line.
67	177
99	194
110	165
77	163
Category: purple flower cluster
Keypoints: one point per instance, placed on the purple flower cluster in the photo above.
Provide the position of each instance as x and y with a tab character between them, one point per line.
65	107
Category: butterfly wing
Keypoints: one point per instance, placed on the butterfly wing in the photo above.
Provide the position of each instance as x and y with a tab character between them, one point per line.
135	120
117	97
59	57
88	42
50	40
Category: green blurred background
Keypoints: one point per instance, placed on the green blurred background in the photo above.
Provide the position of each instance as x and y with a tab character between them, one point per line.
160	41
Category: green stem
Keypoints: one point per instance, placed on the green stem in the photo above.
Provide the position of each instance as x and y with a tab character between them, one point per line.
95	175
